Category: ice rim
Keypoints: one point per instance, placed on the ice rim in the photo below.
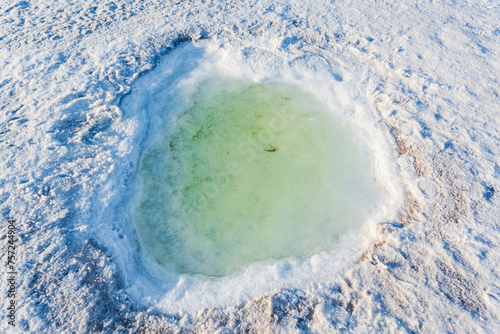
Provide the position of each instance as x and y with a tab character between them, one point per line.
177	76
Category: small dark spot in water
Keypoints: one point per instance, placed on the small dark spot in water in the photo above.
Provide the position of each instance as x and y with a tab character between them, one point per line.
271	149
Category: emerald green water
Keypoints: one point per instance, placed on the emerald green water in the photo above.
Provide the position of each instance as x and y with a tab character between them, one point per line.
249	172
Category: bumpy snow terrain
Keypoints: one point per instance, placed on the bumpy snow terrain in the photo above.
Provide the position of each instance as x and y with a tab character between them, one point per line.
418	81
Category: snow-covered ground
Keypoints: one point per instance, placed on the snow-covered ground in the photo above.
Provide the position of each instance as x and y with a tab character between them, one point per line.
417	81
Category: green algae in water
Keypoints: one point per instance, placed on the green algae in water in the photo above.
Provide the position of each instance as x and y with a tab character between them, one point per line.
249	172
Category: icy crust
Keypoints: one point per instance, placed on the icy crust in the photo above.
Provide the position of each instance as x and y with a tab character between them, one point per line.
429	73
175	79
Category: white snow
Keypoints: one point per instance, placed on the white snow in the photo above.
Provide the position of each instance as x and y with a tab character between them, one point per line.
416	81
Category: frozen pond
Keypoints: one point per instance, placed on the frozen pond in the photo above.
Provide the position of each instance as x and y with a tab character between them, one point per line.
249	172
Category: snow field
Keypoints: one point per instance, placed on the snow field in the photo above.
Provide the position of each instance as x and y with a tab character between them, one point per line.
423	75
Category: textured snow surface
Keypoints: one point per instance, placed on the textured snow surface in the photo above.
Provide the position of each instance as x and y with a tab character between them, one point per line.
418	82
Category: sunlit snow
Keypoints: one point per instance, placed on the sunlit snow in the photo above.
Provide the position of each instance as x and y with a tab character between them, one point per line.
89	90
